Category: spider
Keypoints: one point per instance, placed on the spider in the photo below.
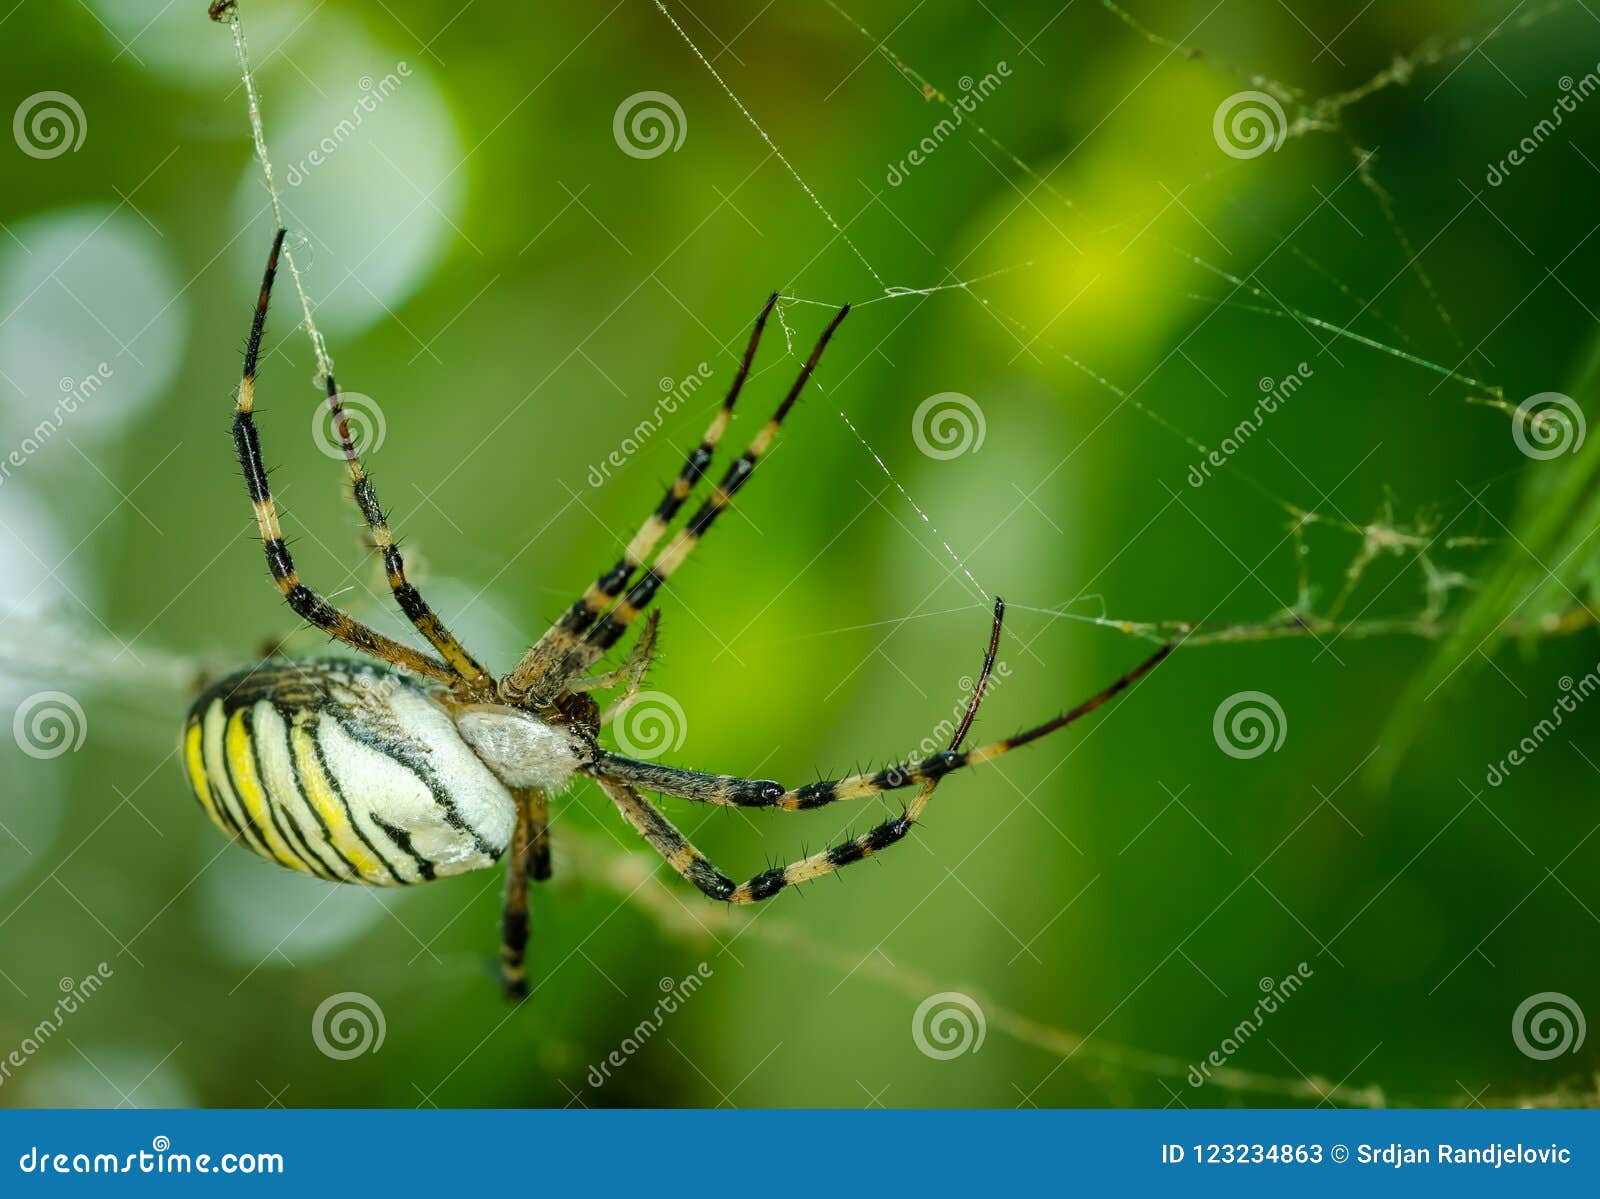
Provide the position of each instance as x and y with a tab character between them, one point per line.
422	766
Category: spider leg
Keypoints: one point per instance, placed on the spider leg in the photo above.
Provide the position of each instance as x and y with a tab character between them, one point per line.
565	635
982	684
643	651
632	669
538	805
406	595
305	602
609	629
514	915
732	791
528	857
924	793
698	869
694	865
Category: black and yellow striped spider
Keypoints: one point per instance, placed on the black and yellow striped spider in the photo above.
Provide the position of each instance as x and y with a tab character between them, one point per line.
420	766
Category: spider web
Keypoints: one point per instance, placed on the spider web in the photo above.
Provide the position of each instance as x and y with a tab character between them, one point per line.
1320	115
1377	538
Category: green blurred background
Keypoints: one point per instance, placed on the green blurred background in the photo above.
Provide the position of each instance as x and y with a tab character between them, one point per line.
511	290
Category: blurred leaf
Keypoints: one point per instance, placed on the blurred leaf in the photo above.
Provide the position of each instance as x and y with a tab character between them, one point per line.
1546	581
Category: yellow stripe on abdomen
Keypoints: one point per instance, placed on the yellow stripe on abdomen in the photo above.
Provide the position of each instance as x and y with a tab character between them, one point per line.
195	763
319	793
242	767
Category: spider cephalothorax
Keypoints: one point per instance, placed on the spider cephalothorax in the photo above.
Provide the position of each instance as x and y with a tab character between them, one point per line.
429	765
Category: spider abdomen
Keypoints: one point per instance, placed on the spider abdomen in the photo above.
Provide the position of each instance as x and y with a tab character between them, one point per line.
344	771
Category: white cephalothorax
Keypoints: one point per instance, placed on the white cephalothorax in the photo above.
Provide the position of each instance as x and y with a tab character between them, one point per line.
520	748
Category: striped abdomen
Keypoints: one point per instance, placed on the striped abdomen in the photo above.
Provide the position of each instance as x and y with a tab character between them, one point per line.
344	771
